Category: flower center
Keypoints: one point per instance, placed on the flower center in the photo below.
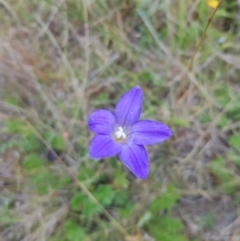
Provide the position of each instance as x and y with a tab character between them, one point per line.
120	134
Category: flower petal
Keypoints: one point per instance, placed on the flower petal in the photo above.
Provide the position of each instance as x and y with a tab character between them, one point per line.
103	146
101	121
147	132
135	158
128	108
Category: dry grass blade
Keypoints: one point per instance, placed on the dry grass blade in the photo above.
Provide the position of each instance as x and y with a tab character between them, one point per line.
8	7
53	14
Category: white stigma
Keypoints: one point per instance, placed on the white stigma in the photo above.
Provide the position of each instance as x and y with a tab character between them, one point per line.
120	133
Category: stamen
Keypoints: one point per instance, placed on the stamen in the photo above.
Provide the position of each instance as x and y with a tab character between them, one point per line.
120	133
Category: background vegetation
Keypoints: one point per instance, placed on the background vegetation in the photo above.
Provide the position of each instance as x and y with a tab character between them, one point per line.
60	60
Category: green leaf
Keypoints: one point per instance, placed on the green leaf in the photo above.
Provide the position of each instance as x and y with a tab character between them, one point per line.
8	145
16	127
127	210
62	181
218	167
77	200
90	208
234	158
44	180
58	143
207	221
222	121
166	228
222	95
120	180
205	117
228	183
8	217
86	173
29	143
33	161
104	194
13	100
166	200
26	144
170	224
73	231
120	198
80	202
233	112
234	140
177	121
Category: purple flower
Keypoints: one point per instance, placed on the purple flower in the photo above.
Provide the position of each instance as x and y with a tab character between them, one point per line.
123	134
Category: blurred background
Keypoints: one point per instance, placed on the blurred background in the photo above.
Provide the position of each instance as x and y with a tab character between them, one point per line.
62	59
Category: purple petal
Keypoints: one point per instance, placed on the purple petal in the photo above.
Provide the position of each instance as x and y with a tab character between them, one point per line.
147	132
135	158
128	108
101	121
103	146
